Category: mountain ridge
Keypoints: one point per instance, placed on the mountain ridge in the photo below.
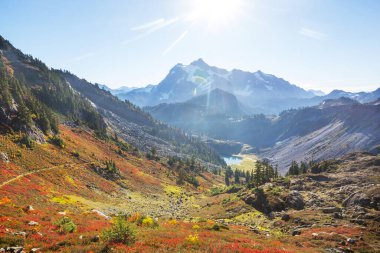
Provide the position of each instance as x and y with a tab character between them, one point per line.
258	91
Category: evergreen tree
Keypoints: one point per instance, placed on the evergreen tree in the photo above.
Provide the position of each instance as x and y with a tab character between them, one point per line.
228	175
181	176
293	169
258	178
276	172
303	168
236	176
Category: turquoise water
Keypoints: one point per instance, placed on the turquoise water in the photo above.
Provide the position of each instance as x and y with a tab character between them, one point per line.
232	159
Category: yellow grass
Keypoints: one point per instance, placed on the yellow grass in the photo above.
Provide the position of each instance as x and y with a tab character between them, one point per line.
247	163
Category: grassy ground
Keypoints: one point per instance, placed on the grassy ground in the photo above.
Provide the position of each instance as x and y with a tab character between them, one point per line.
247	163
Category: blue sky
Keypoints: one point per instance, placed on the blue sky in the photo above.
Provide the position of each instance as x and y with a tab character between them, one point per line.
319	44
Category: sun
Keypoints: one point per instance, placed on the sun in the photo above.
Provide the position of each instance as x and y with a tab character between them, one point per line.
216	12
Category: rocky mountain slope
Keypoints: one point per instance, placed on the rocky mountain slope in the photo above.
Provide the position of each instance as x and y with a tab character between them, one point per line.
323	206
332	129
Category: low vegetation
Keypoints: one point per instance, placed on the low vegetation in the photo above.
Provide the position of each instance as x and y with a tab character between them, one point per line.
65	225
120	232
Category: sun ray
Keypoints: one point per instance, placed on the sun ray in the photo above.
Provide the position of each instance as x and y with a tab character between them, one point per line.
152	28
181	37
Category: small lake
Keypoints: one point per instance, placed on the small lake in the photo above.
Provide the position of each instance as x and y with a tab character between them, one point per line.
230	160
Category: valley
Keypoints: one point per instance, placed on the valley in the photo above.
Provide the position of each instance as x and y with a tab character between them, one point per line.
197	169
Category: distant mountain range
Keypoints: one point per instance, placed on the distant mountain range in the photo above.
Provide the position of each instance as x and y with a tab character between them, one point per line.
257	92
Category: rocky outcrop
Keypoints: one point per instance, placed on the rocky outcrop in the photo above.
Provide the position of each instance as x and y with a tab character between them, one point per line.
295	200
367	199
259	201
4	157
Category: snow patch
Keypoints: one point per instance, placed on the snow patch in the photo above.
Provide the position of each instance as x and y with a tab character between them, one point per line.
269	87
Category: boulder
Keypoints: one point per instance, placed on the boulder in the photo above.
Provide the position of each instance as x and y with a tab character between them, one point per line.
4	157
33	223
331	209
95	238
250	199
368	199
296	232
16	249
22	233
28	208
295	200
258	201
285	217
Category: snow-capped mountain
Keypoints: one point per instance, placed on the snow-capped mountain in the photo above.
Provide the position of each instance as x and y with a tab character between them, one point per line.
257	91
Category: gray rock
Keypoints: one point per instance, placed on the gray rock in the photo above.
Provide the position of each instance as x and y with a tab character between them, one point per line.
4	157
363	199
331	209
16	249
295	200
22	233
296	232
28	208
33	223
285	217
338	215
95	238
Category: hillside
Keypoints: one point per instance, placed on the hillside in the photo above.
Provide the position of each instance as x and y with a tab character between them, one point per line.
77	101
39	186
86	179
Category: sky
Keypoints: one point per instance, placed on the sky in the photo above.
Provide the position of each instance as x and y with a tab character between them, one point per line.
315	44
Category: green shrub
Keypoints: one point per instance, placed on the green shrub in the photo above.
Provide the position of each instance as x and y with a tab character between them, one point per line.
65	225
215	227
75	153
27	141
120	232
218	227
193	180
216	191
58	141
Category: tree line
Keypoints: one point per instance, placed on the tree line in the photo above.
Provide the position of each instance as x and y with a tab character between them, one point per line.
262	173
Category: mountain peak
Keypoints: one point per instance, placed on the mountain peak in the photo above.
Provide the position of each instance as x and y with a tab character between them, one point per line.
200	63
